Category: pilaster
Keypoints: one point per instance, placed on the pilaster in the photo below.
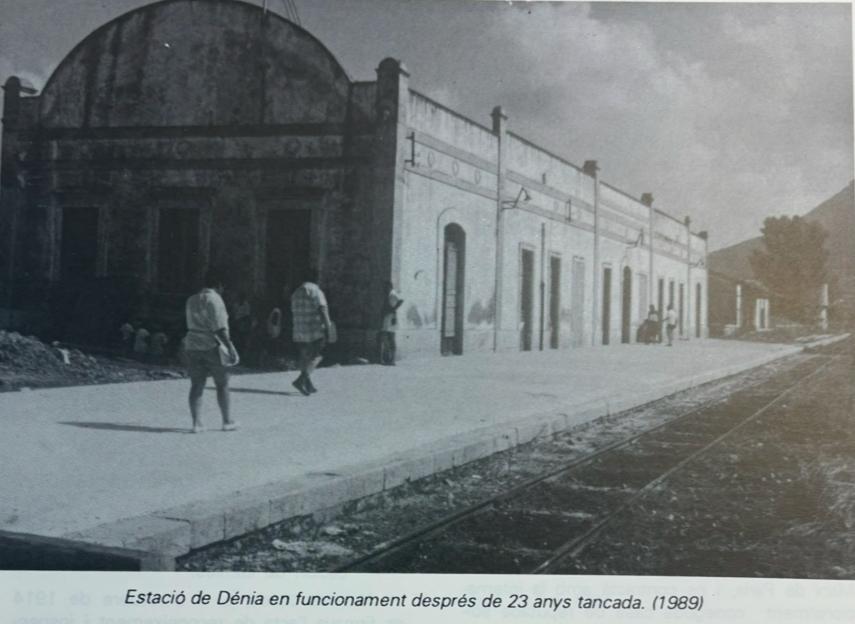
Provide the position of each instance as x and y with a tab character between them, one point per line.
500	129
389	183
592	169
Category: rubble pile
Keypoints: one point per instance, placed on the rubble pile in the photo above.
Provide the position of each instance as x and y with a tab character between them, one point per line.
27	353
26	361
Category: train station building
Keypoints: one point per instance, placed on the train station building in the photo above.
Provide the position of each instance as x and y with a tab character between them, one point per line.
191	134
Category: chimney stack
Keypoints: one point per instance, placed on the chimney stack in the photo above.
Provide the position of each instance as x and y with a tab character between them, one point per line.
499	119
590	167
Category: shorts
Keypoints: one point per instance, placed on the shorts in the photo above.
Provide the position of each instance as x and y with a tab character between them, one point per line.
201	364
310	351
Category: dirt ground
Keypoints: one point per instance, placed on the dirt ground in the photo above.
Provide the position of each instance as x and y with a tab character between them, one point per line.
328	540
777	500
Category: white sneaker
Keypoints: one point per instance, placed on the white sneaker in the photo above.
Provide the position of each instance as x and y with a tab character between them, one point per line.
232	426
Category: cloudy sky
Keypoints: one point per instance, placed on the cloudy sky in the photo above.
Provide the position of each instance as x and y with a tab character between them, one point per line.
726	112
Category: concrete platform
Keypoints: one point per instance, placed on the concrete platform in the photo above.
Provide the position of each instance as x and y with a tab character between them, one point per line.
114	466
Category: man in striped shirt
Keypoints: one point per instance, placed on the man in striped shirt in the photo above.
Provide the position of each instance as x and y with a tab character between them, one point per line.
311	327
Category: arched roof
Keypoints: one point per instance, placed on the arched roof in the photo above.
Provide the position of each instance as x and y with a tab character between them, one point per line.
196	62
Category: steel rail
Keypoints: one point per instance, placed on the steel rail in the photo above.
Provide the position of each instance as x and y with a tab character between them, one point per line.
575	546
431	529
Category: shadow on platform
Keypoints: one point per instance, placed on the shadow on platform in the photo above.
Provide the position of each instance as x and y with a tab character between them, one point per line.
259	391
104	426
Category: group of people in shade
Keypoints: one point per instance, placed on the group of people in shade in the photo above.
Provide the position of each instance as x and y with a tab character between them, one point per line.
209	351
650	330
144	344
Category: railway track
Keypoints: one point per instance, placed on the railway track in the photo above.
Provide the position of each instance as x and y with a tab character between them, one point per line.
540	524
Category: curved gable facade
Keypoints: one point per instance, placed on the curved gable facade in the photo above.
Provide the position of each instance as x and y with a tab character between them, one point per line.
196	63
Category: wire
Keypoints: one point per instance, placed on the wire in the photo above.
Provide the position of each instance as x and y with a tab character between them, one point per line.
288	11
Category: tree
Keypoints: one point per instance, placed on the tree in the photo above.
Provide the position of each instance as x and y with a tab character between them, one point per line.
792	265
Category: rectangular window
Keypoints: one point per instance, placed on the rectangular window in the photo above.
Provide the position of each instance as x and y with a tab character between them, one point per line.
178	259
79	244
697	310
607	304
526	298
554	300
288	249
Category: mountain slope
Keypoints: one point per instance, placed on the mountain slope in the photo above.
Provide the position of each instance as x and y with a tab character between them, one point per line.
837	216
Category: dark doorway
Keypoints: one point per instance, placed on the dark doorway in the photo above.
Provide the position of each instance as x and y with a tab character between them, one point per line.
452	290
554	301
660	302
577	302
607	304
178	250
670	293
79	245
288	250
697	310
680	307
526	298
643	297
626	306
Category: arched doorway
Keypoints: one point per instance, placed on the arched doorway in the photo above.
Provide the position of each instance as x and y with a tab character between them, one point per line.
626	306
454	266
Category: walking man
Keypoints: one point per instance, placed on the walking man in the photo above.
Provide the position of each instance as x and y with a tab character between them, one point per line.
670	324
207	330
311	327
391	303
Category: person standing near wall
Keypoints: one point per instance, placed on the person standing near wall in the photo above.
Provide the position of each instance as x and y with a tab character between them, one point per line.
652	326
141	338
391	302
311	328
127	332
207	330
670	324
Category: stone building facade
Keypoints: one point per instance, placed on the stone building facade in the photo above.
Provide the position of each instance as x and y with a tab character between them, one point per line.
157	150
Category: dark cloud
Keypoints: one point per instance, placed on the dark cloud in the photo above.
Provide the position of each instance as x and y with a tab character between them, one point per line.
726	112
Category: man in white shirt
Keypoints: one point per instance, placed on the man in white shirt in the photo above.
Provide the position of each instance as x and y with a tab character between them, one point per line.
207	329
670	324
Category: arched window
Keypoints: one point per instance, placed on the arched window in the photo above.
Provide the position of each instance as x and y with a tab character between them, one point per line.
453	276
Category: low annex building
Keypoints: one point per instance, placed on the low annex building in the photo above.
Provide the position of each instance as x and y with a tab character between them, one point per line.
195	133
738	305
